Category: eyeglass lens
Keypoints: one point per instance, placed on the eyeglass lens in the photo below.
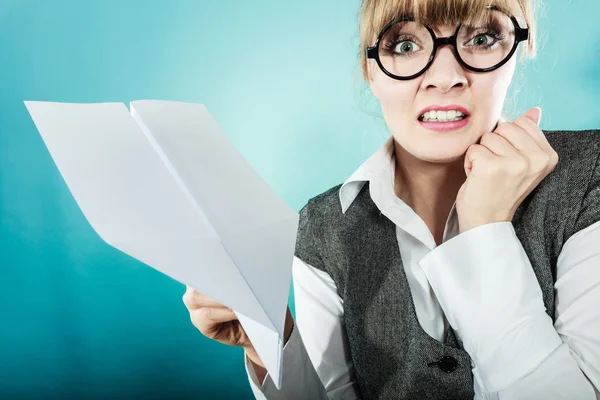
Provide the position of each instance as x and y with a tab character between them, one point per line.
406	47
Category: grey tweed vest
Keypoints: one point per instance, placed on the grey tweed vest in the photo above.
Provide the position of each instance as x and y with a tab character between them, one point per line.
394	358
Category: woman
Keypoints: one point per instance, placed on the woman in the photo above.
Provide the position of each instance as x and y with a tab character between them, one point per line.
461	259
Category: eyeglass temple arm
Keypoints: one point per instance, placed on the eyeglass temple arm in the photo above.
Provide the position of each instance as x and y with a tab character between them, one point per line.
372	52
522	34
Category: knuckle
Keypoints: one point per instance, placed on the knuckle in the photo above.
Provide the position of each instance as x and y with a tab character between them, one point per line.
540	162
194	319
495	169
488	136
205	312
199	320
503	125
201	298
522	118
518	167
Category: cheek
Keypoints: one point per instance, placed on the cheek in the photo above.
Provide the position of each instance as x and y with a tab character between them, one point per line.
491	88
394	95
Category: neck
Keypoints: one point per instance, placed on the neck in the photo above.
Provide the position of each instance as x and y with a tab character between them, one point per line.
428	188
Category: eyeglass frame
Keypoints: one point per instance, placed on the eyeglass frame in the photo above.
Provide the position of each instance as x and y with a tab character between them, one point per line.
521	34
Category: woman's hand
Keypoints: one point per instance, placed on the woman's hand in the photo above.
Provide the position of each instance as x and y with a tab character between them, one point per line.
217	322
502	170
214	320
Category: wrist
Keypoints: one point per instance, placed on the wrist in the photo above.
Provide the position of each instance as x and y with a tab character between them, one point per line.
289	326
466	224
253	356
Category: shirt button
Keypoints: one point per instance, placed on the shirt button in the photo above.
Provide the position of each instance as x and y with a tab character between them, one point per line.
448	364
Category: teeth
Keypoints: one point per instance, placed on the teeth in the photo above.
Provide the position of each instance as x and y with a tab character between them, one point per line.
443	116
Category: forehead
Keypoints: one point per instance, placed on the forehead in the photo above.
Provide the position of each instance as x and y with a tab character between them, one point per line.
438	13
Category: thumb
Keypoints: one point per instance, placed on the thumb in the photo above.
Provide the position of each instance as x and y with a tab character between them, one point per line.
467	166
534	114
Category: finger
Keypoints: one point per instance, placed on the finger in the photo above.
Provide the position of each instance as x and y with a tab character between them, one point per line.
540	156
536	134
218	314
525	135
545	157
194	299
188	297
205	301
476	154
518	136
534	114
206	317
498	145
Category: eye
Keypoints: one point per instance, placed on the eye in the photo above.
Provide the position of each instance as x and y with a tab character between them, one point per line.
484	40
406	47
402	46
481	40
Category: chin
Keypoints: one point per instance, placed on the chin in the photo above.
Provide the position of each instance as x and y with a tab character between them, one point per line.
441	154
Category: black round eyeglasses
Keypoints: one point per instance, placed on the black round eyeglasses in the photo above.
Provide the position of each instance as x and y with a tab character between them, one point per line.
405	49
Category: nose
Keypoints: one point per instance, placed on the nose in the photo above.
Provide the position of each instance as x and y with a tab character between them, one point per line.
445	73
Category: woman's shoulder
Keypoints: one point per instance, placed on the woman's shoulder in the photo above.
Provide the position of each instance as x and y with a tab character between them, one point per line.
570	142
578	152
314	226
323	203
570	194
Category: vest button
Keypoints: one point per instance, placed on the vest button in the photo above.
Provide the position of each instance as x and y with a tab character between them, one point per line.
448	364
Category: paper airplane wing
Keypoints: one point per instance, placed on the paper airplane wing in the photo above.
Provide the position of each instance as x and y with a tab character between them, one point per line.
133	201
258	229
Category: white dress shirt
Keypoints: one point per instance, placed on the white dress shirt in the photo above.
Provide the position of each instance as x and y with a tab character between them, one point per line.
481	282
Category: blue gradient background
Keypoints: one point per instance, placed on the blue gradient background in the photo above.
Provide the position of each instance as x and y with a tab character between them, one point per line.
79	319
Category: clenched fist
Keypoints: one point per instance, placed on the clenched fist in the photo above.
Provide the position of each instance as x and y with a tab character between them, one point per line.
503	170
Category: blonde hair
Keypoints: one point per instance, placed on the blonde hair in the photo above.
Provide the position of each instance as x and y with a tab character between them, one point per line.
375	14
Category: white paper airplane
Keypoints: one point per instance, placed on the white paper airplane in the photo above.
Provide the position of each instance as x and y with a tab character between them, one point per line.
165	185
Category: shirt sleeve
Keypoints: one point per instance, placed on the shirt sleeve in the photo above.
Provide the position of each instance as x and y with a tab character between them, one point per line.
487	288
316	358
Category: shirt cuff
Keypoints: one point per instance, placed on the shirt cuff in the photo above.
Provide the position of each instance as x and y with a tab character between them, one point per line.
299	380
489	292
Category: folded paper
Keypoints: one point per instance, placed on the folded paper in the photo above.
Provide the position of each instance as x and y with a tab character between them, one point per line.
162	183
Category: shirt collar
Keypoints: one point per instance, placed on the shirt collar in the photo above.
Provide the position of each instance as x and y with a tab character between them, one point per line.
380	165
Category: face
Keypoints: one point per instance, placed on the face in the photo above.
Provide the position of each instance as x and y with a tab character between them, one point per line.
446	82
